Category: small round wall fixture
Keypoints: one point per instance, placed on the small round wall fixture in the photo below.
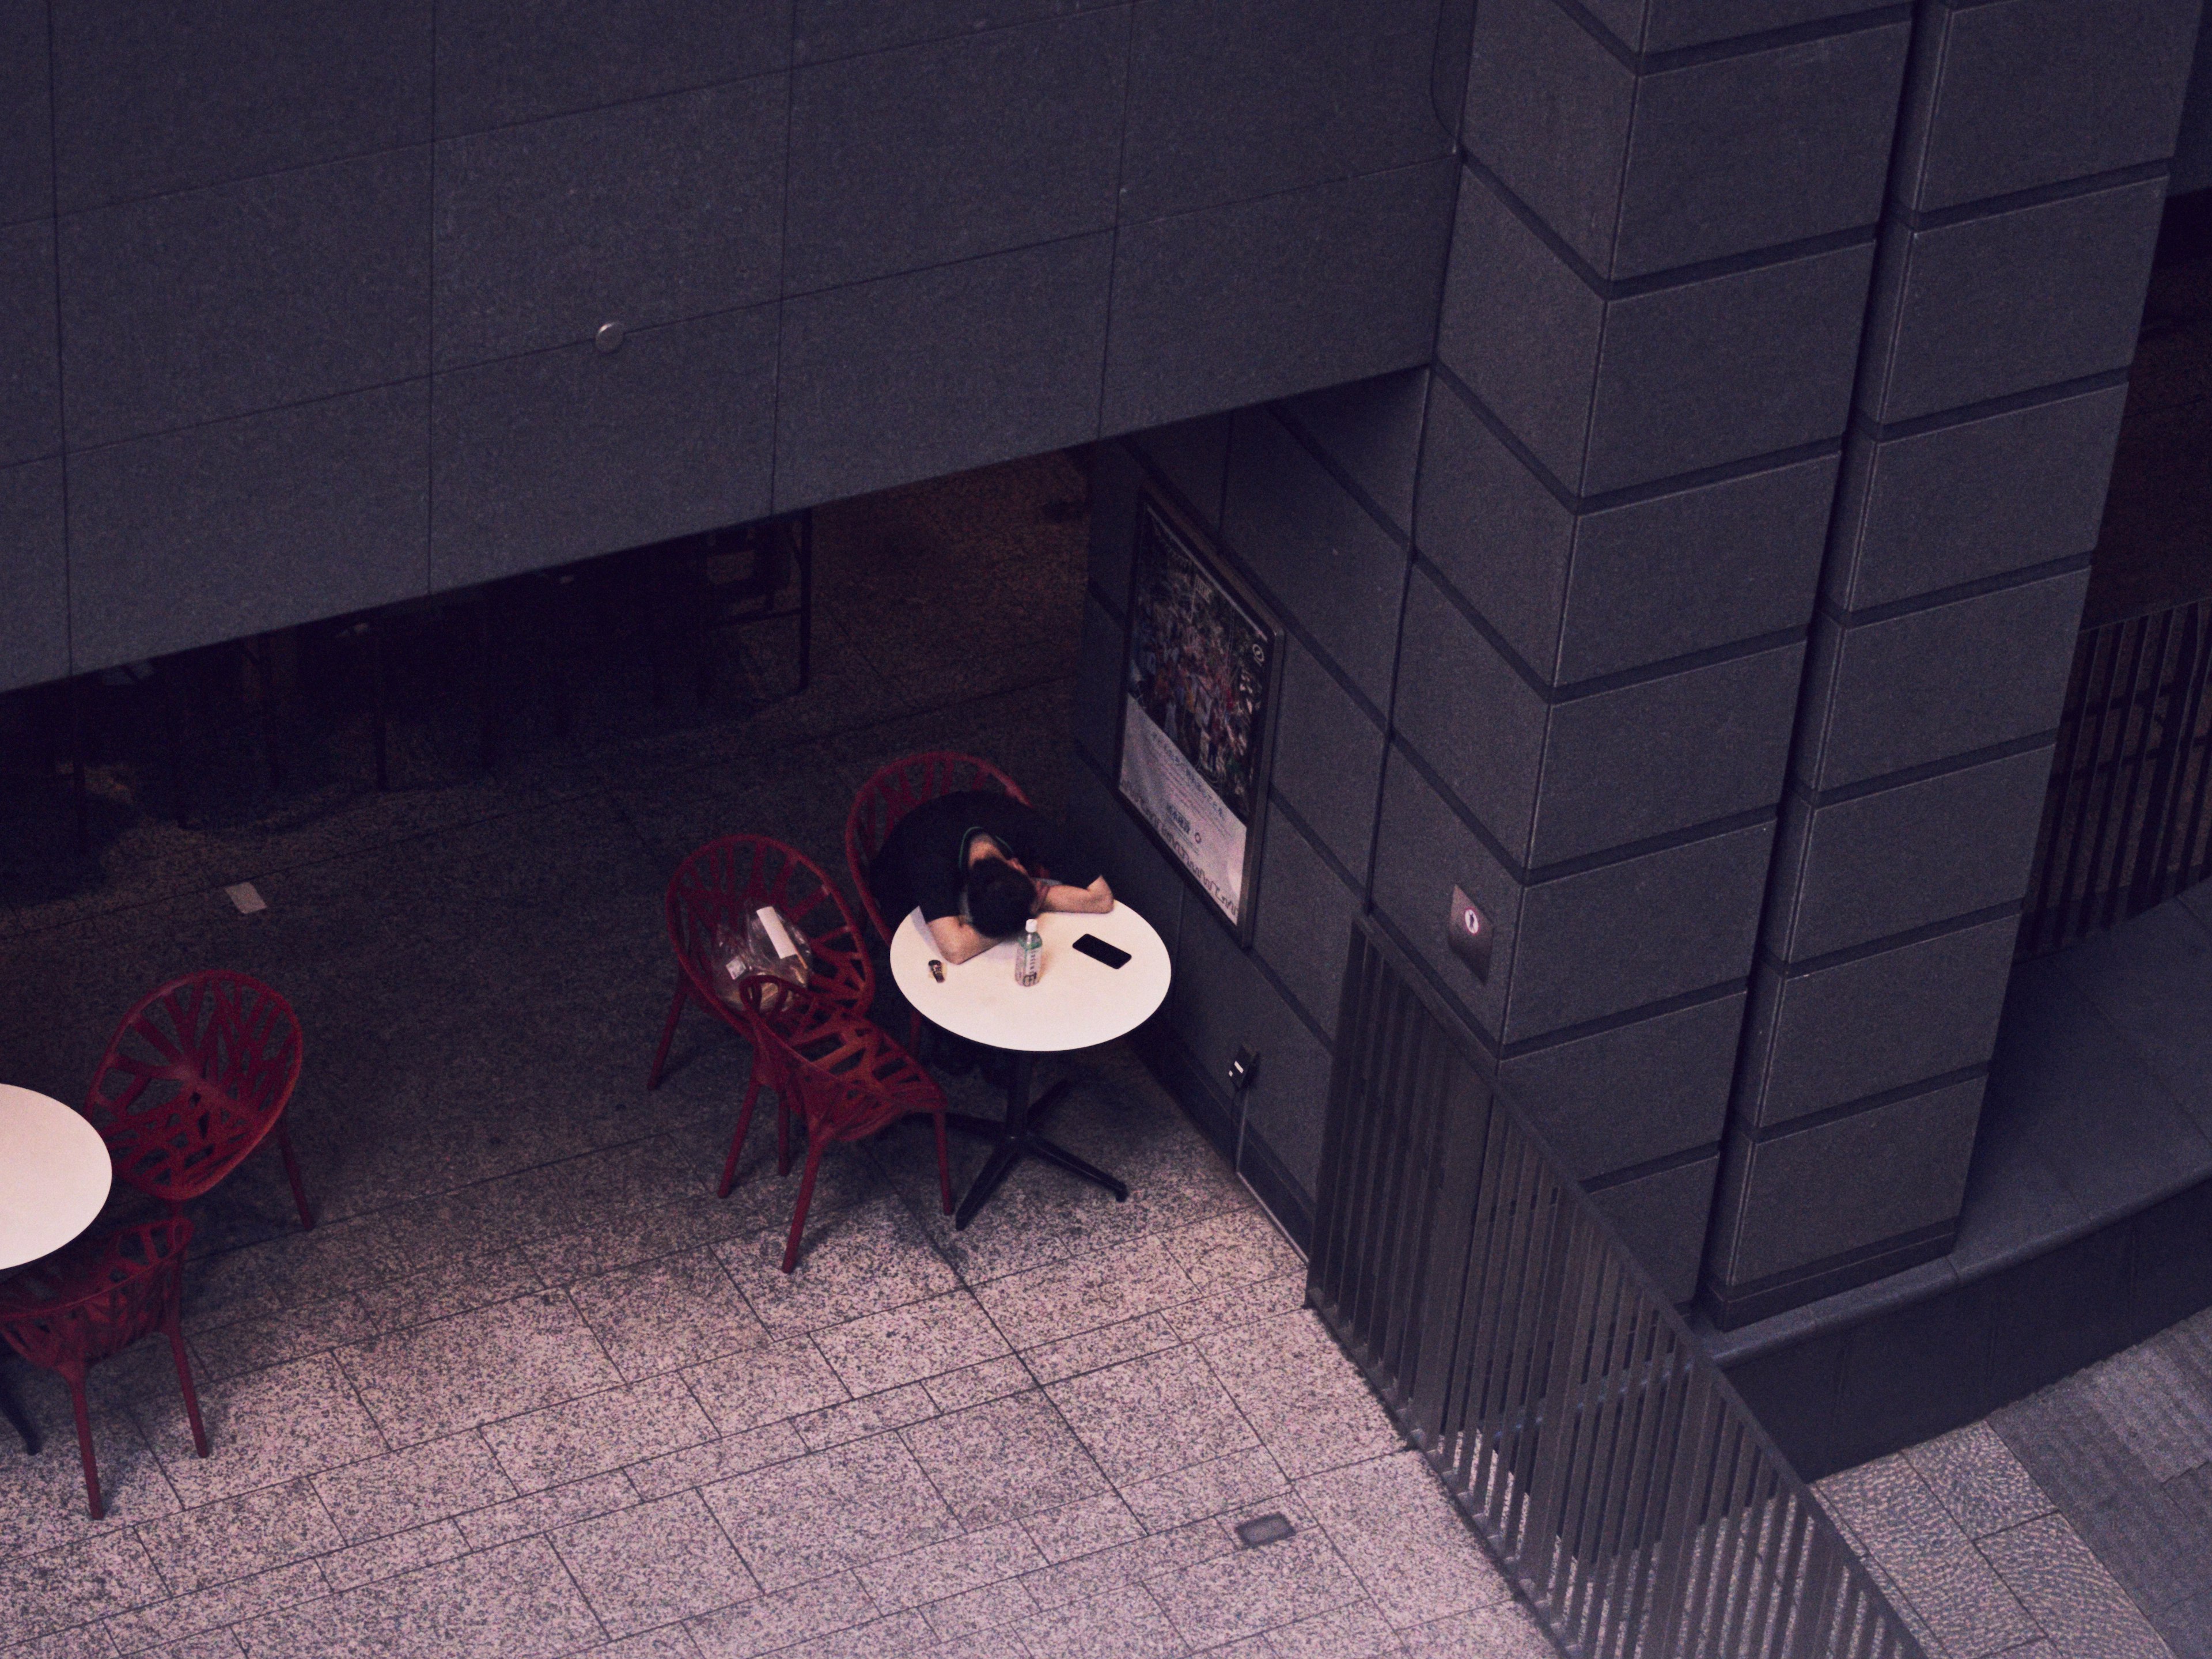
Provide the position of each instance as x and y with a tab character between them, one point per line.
608	338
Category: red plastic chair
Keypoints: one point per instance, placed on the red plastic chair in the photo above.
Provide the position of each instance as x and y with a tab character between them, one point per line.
897	791
721	885
844	1075
888	796
198	1075
73	1309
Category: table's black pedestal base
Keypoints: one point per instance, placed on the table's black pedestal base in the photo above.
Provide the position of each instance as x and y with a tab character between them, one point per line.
1014	1140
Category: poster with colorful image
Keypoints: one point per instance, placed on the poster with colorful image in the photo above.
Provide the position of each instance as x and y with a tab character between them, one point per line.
1196	690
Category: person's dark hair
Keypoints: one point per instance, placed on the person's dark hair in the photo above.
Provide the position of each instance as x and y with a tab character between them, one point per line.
998	897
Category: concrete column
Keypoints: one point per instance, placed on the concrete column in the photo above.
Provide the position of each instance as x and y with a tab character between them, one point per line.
2023	205
1665	231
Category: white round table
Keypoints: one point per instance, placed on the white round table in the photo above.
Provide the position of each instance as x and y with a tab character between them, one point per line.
54	1175
1078	1002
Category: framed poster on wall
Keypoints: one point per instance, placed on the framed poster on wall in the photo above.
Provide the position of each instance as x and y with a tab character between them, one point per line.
1198	694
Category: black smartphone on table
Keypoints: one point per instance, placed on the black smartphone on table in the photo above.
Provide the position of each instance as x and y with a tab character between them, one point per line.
1093	946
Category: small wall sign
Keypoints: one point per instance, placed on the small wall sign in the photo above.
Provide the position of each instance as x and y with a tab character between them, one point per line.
1468	929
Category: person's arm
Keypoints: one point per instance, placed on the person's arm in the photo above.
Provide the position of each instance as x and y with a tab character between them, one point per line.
956	940
1095	900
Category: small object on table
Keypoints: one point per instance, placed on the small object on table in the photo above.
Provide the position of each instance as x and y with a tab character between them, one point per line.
54	1175
1076	1003
936	970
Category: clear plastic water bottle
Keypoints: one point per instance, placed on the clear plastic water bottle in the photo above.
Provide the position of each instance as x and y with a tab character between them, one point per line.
1029	957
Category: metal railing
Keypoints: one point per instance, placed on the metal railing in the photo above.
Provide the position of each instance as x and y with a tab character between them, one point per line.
2125	824
1615	1476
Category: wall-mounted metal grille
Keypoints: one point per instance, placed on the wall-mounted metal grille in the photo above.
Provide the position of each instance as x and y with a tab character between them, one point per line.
2126	824
1613	1471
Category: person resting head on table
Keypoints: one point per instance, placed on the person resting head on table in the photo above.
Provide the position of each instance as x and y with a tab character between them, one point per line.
979	864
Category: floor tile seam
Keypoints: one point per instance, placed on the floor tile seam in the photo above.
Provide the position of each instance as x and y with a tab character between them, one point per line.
2141	1611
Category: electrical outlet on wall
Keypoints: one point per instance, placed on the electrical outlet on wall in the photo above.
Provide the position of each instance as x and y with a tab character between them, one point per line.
1468	929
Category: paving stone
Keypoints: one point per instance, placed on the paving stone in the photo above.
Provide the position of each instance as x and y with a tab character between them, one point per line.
477	1367
830	1512
1204	1489
76	1584
715	1460
654	1565
855	1262
972	1562
239	1536
1052	1303
856	1420
1397	1528
408	1488
1248	1591
765	1385
992	1380
1004	1459
387	1558
1975	1476
1121	1624
254	1430
2072	1597
1312	1410
1933	1562
541	1512
781	1618
188	1616
1148	1417
513	1602
2145	1393
661	1315
907	1343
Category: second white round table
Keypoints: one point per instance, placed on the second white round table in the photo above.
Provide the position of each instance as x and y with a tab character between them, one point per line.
1078	1002
54	1175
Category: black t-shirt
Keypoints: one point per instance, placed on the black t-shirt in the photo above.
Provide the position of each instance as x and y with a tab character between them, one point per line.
923	862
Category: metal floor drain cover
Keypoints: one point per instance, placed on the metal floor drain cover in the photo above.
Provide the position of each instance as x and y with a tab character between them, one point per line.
1264	1529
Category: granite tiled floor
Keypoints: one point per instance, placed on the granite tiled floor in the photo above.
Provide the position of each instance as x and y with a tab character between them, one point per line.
2076	1523
530	1389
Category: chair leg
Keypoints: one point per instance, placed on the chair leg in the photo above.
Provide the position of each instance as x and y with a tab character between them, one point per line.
667	1034
944	1163
74	1378
185	1382
805	1195
13	1411
292	1171
737	1140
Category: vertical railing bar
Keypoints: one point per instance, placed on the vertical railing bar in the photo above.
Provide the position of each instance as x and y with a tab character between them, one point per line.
1576	1447
1657	1473
1517	1381
1619	1482
1500	1166
2147	726
2176	685
1656	1397
1556	1436
2174	852
2059	792
1625	1403
2080	854
2200	748
2111	823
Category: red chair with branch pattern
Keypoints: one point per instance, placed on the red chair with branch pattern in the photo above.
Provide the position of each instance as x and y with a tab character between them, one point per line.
197	1077
892	793
82	1304
843	1075
716	892
888	796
